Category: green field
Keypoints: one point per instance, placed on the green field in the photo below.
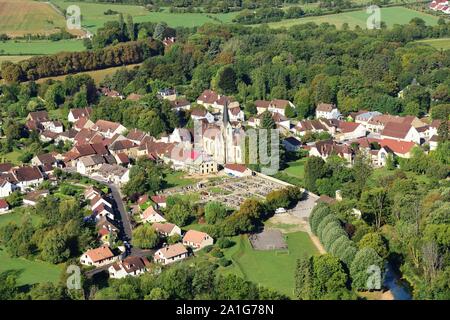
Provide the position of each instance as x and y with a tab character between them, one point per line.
391	16
28	271
37	47
93	15
439	44
273	269
296	168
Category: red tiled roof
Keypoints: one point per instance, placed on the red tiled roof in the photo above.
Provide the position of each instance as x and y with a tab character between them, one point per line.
236	167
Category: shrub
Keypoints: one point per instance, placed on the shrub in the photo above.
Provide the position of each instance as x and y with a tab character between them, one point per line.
338	245
360	267
348	254
216	253
224	262
223	243
331	236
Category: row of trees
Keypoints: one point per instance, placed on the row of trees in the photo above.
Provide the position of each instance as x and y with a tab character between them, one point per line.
65	63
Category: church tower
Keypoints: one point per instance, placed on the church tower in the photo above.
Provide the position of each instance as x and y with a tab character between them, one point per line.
226	132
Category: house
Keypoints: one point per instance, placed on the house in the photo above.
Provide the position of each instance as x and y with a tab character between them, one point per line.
170	254
211	99
261	106
197	239
159	200
190	160
36	120
180	104
200	114
142	199
167	229
78	113
106	228
122	159
350	131
5	167
108	128
279	106
366	116
32	198
4	206
99	200
292	144
53	126
6	187
88	164
98	257
324	149
152	215
433	142
92	192
44	159
48	136
401	132
130	266
327	111
136	136
168	94
309	126
111	93
66	136
114	173
123	146
27	177
82	123
236	114
102	210
237	170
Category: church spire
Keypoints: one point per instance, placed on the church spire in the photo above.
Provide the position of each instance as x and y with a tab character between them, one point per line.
225	116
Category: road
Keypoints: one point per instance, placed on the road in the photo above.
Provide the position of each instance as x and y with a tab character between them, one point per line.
120	206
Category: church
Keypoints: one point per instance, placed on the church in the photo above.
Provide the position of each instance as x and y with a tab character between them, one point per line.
223	140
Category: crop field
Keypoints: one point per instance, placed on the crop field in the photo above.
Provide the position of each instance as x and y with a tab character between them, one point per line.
21	17
93	15
391	16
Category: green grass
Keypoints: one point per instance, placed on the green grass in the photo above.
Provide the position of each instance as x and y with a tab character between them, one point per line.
177	179
273	269
439	44
17	215
296	168
12	156
13	59
39	47
391	16
29	272
93	16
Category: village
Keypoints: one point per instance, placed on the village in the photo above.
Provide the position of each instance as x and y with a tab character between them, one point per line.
105	151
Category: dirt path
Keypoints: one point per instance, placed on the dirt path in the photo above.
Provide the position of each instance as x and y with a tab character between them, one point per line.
287	223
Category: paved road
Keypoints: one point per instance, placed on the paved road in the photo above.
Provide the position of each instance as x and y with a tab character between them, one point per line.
125	217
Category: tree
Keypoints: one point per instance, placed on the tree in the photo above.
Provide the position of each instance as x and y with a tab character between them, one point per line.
160	28
180	214
8	286
157	294
278	199
130	28
314	169
226	80
145	237
267	121
47	291
375	206
215	212
362	269
375	241
319	212
54	247
304	279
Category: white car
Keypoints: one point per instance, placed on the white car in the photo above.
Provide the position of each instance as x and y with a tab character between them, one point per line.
280	210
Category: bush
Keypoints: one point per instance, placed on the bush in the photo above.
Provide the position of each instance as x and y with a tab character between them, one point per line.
208	249
338	245
348	254
224	243
331	236
224	262
216	253
360	267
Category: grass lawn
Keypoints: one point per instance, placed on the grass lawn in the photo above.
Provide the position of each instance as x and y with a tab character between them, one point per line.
296	168
29	272
16	216
93	15
273	269
12	156
39	47
177	179
380	173
391	16
439	44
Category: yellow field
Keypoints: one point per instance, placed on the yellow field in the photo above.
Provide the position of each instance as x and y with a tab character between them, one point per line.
97	75
21	17
14	59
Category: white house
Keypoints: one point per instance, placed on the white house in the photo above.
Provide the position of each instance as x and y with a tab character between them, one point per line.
279	106
130	266
152	215
170	254
98	257
237	170
159	200
28	177
6	188
167	229
32	198
400	132
327	111
197	239
350	131
89	164
108	128
77	113
236	114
